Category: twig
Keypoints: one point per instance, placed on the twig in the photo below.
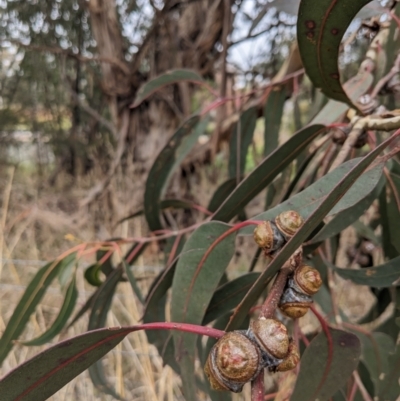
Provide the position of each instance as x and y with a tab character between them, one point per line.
384	80
272	301
257	387
361	387
360	125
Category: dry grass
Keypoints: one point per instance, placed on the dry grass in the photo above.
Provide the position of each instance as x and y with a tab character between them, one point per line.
32	230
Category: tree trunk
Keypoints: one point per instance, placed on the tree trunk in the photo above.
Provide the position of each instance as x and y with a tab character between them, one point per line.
183	35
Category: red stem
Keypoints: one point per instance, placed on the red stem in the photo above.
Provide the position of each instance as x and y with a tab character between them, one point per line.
271	303
189	328
257	387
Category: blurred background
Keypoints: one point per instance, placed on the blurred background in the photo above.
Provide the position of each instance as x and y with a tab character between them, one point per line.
74	154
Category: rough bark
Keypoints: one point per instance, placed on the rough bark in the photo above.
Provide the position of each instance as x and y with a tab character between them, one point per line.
183	35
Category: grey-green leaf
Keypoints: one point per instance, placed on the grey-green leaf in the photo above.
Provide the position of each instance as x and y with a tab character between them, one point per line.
326	366
385	275
241	138
98	315
265	173
192	289
168	78
64	314
307	201
30	299
329	200
170	156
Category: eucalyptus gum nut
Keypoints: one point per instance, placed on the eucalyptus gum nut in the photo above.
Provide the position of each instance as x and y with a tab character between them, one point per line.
308	279
291	360
271	335
268	237
293	294
288	223
295	310
233	361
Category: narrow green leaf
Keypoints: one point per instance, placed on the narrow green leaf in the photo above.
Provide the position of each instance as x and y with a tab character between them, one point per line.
348	216
228	296
133	282
381	276
324	371
40	377
393	213
376	349
221	193
27	304
273	111
388	248
390	388
86	306
307	201
170	156
320	29
98	316
65	312
155	312
317	214
265	173
155	308
192	289
299	172
244	129
168	78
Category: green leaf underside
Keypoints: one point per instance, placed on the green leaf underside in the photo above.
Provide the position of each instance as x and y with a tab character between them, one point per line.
245	130
385	275
193	288
170	157
328	203
265	173
30	299
308	200
320	29
168	78
64	314
97	319
323	373
43	375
